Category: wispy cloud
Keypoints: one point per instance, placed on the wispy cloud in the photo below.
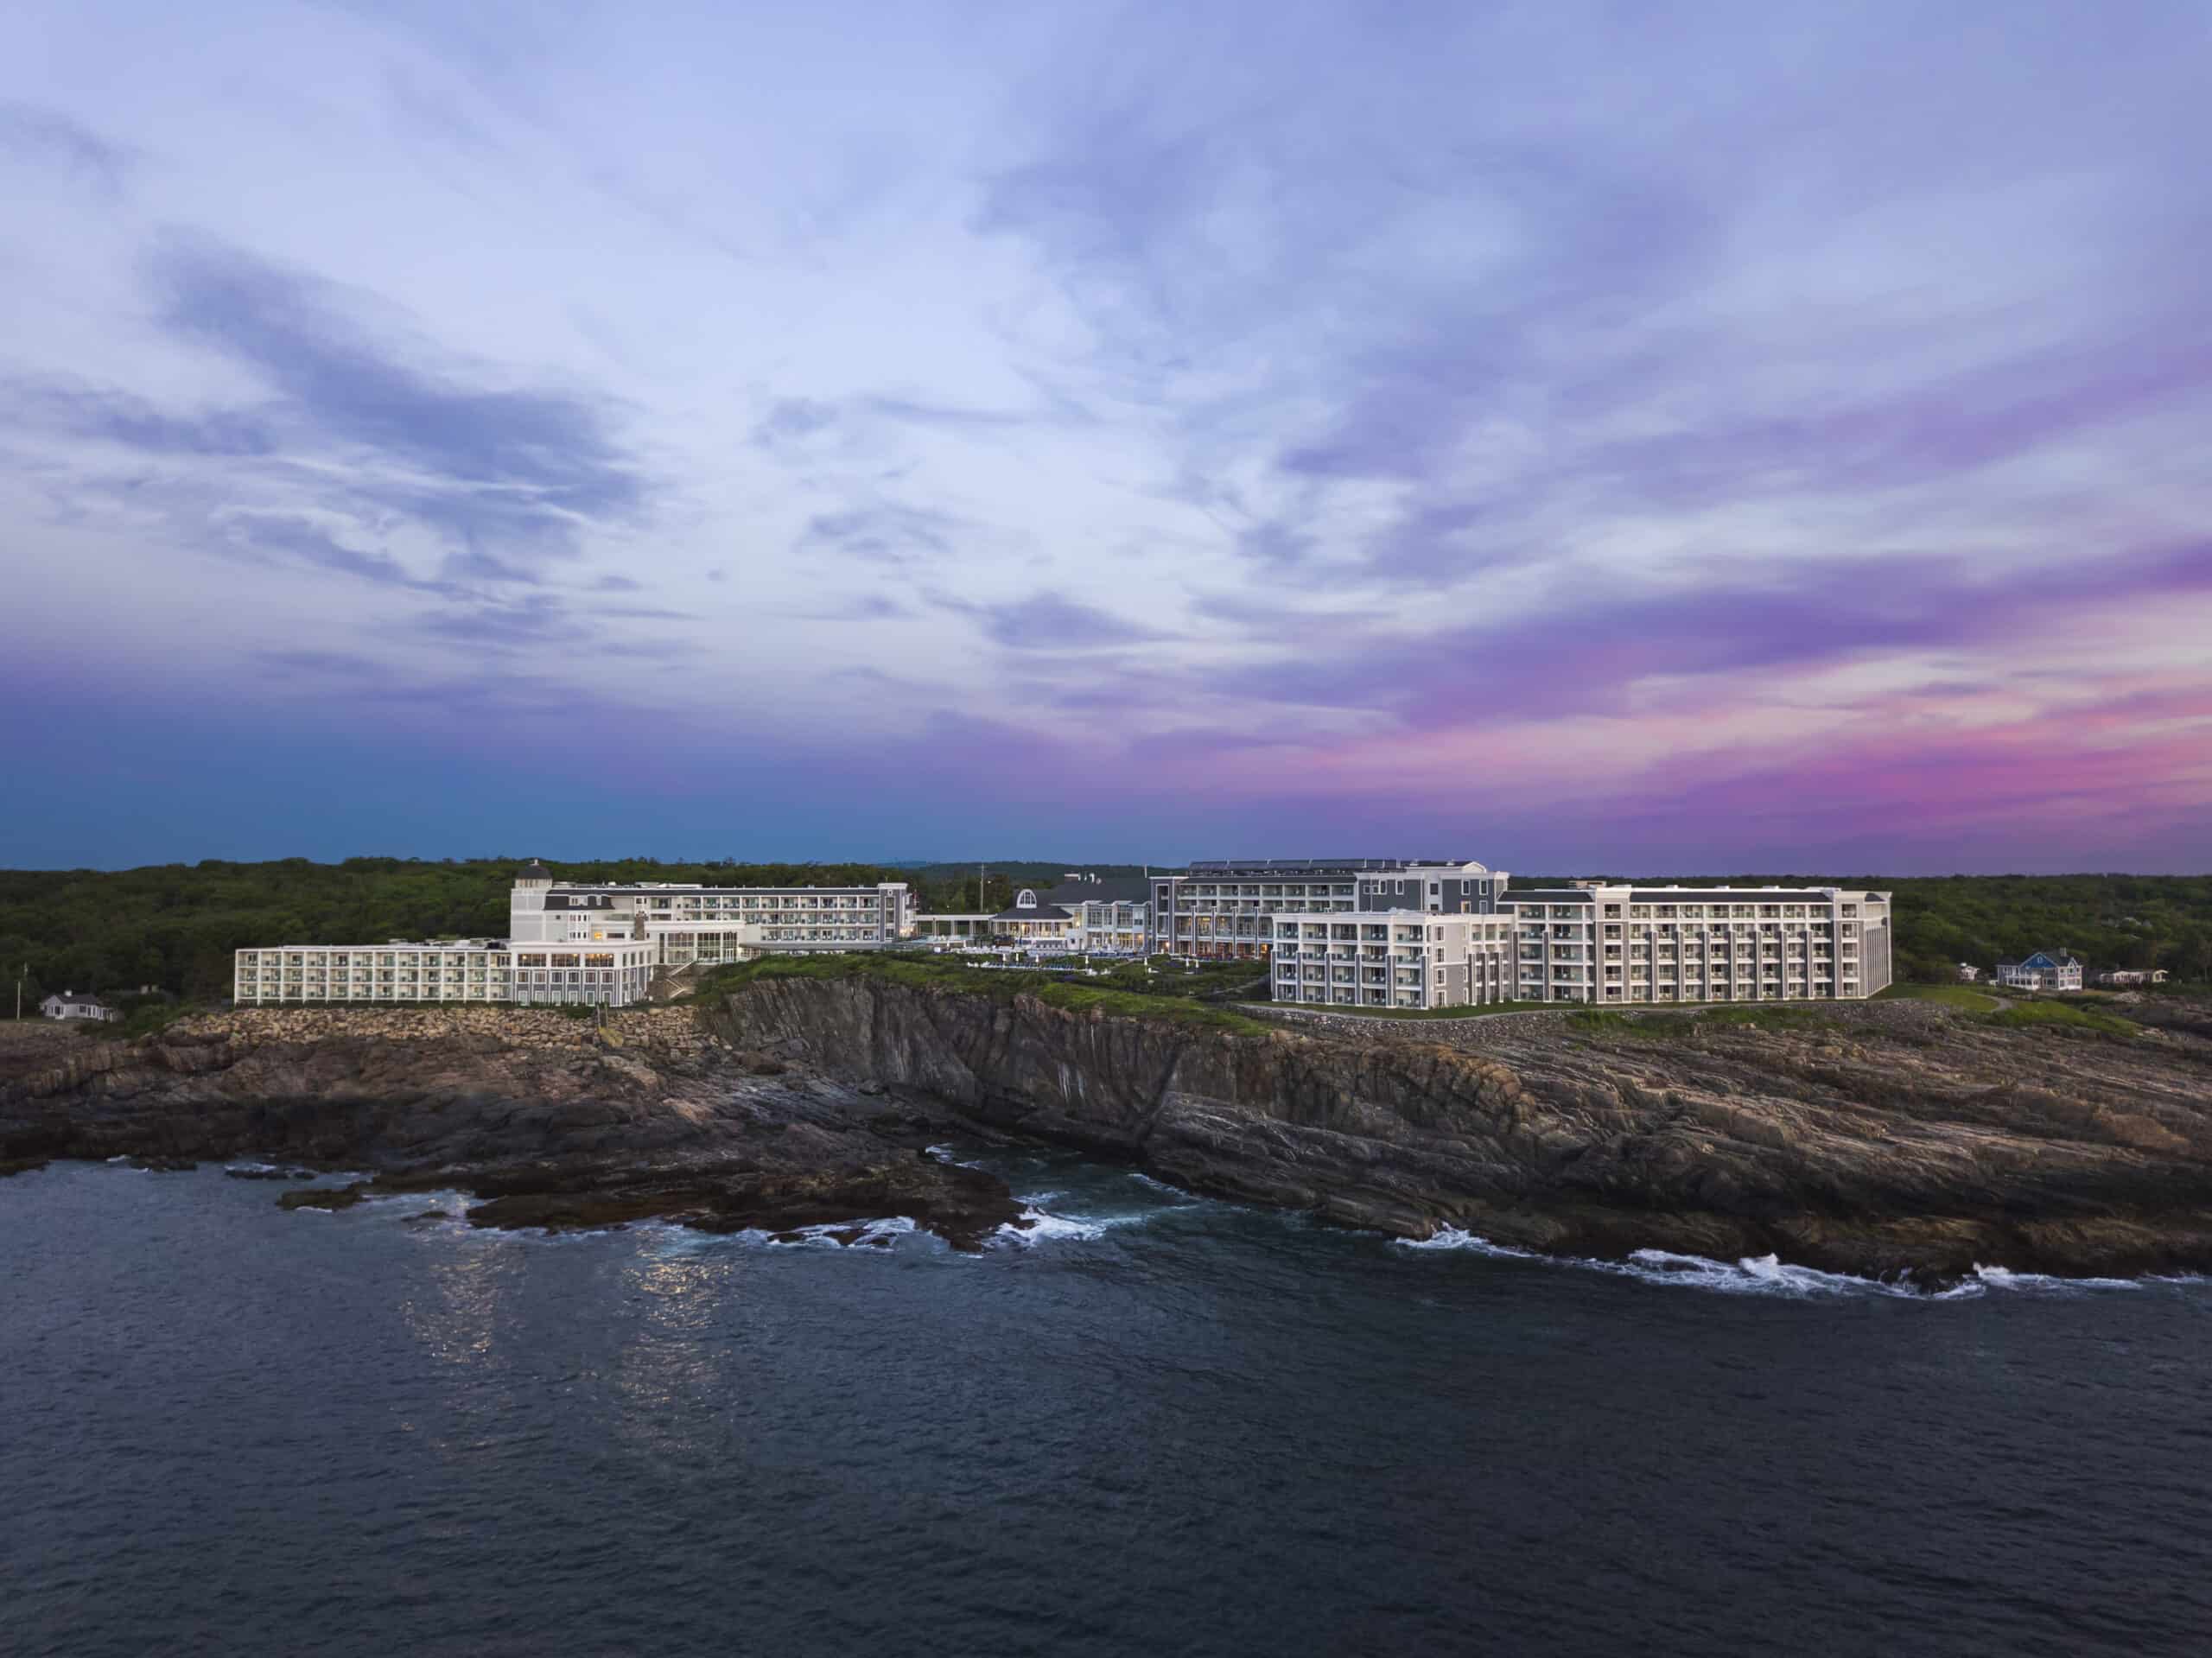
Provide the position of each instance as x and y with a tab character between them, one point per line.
1719	431
1049	621
497	468
46	135
881	534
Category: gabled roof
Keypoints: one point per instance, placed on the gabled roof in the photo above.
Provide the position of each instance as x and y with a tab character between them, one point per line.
2045	958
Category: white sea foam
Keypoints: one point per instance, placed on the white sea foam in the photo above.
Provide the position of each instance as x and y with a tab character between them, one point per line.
1755	1275
1041	1225
1451	1237
1768	1275
451	1209
2002	1278
802	1237
1144	1179
944	1153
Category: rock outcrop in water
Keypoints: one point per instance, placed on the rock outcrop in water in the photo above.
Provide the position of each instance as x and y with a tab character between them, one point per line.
552	1120
1881	1139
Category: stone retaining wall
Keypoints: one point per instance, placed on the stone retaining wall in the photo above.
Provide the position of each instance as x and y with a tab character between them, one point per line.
1483	1030
661	1029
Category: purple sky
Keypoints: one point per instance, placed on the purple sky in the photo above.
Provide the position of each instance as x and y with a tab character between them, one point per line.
1760	436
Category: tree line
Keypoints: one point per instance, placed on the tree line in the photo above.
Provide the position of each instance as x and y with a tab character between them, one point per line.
175	926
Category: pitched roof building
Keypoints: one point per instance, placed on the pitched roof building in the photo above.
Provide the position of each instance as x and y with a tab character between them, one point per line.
2047	970
77	1004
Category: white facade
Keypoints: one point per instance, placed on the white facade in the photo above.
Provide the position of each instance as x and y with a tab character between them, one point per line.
1082	916
1224	910
1626	944
483	970
576	942
1391	958
75	1004
698	923
1111	927
2047	970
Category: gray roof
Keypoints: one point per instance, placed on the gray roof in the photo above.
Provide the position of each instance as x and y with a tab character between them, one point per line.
1728	894
1675	894
1315	866
1042	912
1107	889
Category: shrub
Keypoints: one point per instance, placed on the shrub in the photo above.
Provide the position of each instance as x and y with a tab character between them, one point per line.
941	972
2061	1016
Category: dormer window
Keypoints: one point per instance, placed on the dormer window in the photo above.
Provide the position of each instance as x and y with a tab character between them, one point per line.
1027	900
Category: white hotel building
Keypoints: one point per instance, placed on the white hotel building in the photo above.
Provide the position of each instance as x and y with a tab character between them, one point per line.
468	969
1393	958
576	942
709	923
1625	944
1224	910
1413	934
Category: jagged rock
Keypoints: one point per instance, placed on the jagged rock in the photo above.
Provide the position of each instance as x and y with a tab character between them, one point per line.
332	1198
1882	1138
551	1130
1879	1138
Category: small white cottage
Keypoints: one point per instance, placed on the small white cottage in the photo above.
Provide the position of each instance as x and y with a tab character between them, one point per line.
74	1004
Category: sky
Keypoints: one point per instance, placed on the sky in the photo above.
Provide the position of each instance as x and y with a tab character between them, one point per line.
1653	440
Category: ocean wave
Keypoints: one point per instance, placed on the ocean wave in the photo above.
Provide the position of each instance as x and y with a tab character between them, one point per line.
1042	1223
675	1237
1158	1184
890	1226
1999	1278
944	1153
1770	1276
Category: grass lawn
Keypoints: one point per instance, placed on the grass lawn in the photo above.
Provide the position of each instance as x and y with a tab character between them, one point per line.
1663	1022
1951	995
1417	1012
2062	1016
937	973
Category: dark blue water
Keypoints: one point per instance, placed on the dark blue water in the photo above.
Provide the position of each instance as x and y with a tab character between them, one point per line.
1170	1426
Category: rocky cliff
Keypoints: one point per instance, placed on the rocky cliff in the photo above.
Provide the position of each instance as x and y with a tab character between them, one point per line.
552	1120
1883	1139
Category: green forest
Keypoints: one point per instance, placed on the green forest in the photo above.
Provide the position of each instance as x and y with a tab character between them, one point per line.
175	926
2110	921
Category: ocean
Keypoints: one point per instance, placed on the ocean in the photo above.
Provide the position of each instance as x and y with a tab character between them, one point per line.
1154	1425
